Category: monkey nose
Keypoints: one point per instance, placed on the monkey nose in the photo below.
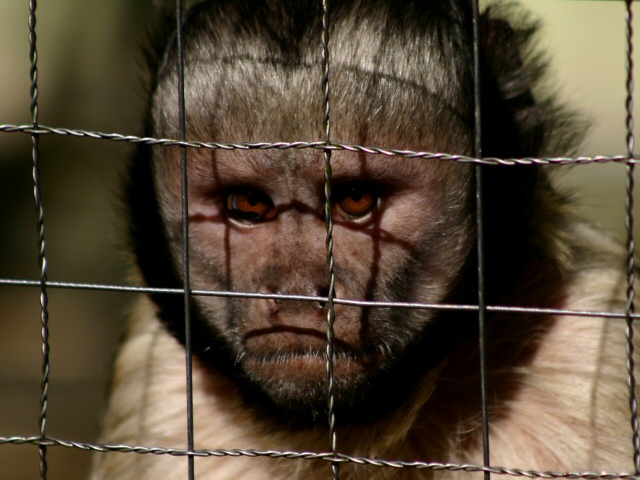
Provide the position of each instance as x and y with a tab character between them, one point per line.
283	310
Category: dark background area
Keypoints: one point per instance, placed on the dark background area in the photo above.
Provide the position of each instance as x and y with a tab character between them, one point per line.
90	79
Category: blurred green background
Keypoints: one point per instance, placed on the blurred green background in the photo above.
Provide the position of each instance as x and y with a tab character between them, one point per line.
90	78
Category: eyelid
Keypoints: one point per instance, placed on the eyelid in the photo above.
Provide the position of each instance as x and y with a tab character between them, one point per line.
248	205
356	201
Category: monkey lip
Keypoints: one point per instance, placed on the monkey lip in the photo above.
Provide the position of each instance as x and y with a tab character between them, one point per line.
301	353
304	367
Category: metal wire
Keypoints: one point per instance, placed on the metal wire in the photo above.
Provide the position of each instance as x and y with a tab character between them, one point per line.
630	308
325	456
331	146
42	258
185	244
482	334
317	299
331	314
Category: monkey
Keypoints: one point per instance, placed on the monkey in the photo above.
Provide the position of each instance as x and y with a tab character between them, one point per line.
406	381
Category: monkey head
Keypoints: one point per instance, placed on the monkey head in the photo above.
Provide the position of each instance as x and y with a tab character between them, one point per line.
403	228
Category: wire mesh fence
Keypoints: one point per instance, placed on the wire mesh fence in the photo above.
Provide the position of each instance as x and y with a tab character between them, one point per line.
41	285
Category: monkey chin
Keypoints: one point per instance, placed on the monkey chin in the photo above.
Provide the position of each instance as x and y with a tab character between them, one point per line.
280	368
295	392
308	366
292	382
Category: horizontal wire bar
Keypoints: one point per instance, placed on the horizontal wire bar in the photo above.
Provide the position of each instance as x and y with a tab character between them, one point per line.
391	152
309	298
340	457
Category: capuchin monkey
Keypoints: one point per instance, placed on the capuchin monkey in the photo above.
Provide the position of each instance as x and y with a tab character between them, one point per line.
407	381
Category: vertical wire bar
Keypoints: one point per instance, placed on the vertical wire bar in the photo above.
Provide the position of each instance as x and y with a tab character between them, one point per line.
42	258
331	315
185	243
482	336
630	309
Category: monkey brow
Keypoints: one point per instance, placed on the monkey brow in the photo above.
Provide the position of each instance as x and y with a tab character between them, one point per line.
407	80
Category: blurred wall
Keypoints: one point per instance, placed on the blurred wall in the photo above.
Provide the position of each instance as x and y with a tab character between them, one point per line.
89	79
586	41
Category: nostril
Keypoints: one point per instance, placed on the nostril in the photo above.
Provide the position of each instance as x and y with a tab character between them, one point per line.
270	306
321	304
273	305
276	307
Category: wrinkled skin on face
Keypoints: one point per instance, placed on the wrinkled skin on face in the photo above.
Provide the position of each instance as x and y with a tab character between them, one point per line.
257	225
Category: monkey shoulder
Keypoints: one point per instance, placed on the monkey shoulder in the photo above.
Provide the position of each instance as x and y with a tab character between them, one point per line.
572	411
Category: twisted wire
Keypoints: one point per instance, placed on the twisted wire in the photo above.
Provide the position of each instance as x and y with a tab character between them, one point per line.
331	314
314	456
630	309
42	258
325	146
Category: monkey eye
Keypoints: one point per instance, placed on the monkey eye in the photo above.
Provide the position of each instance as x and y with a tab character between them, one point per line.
249	206
355	202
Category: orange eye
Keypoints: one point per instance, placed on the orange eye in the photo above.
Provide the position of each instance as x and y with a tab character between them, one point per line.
249	206
355	202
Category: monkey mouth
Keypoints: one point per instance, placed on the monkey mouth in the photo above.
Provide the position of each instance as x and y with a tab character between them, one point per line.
295	340
304	367
300	354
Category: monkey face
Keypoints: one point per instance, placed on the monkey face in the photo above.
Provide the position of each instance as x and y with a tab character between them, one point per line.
257	224
402	228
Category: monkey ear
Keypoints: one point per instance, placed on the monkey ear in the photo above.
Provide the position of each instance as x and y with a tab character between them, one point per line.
522	120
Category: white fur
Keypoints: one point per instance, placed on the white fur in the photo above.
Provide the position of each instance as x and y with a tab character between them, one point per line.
570	414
